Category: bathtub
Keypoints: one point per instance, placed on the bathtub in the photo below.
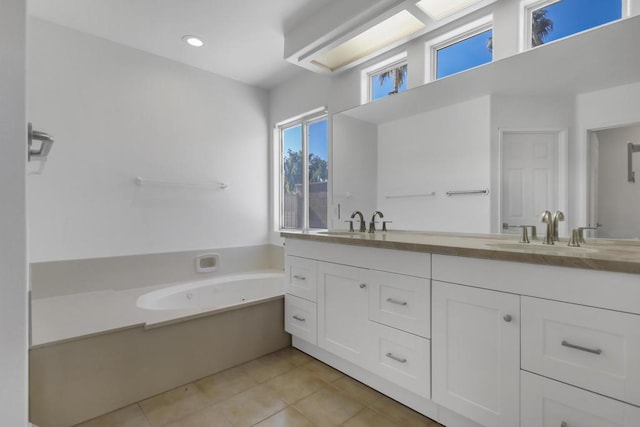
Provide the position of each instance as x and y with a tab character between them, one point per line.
219	293
109	349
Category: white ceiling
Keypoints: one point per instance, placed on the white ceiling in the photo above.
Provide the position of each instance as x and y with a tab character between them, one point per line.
244	40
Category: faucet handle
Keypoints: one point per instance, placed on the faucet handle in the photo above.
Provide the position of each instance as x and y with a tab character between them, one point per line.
575	238
350	221
384	225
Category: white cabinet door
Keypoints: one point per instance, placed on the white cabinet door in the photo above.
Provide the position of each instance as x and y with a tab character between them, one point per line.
476	353
548	403
343	302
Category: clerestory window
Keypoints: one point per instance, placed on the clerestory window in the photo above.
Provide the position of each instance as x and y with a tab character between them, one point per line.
549	20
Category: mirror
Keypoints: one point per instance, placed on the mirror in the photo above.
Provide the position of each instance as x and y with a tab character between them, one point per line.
614	198
445	136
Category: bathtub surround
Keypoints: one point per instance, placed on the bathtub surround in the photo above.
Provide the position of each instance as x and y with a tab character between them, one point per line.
59	278
102	373
118	113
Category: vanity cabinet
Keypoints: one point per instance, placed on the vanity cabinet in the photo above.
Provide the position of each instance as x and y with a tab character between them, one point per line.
343	302
476	353
547	402
470	341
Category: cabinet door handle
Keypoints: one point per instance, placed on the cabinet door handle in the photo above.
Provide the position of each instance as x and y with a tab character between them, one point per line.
363	285
564	424
301	319
395	301
579	347
396	358
298	277
507	318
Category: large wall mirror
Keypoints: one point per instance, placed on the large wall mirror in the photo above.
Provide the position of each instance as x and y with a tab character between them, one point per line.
614	190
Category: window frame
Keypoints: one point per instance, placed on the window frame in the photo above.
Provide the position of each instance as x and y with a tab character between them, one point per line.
393	66
394	61
304	120
527	8
457	35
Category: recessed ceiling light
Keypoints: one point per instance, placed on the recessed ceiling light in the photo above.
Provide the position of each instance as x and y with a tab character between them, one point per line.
439	9
193	41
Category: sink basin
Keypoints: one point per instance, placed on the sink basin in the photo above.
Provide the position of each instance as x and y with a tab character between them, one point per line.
560	247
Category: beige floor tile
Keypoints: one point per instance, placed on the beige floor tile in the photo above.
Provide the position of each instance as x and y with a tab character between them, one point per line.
295	356
288	417
211	416
400	414
325	372
251	406
356	390
267	367
296	384
225	384
174	404
129	416
369	418
328	407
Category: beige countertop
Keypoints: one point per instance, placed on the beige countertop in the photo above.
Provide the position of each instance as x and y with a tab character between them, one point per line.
597	254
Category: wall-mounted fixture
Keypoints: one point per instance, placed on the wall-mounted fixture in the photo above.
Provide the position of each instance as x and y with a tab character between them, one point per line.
42	151
631	148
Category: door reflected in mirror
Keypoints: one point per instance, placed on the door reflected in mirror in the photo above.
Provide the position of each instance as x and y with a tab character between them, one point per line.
614	205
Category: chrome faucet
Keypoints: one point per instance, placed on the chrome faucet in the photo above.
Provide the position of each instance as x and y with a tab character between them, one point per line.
372	224
546	218
363	226
557	217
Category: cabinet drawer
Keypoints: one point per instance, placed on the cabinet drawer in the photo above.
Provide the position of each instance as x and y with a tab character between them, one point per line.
301	277
548	403
401	358
587	347
300	318
400	301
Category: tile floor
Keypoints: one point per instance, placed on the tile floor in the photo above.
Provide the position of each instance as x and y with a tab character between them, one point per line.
287	388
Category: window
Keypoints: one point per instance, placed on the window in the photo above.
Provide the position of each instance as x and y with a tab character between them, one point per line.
304	172
550	20
388	81
466	47
385	78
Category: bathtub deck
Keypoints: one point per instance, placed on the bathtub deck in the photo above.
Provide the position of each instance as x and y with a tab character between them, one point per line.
69	317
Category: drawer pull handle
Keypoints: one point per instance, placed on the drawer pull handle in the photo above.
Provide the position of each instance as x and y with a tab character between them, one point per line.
396	358
579	347
298	277
507	318
301	319
363	285
395	301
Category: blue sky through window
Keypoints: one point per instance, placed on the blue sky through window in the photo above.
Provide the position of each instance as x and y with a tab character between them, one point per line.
381	90
318	139
463	55
572	16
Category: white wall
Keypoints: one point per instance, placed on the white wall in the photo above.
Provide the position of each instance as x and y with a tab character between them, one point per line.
607	108
13	228
441	150
354	173
614	190
118	113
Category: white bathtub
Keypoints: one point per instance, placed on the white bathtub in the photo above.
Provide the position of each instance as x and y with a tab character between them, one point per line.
215	293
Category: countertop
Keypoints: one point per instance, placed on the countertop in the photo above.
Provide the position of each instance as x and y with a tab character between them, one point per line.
597	254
